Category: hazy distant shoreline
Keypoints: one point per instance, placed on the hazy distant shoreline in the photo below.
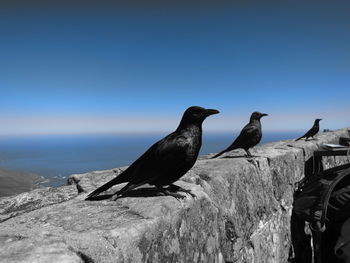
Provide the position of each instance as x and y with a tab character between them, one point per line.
14	182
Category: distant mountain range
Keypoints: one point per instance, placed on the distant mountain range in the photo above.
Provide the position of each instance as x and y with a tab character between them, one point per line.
12	182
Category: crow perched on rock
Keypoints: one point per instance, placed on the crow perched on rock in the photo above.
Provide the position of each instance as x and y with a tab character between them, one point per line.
249	136
167	160
312	132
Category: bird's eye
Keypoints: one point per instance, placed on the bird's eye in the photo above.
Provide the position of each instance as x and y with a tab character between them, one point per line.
198	111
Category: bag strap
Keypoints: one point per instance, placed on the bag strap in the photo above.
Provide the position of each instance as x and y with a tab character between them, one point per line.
316	243
320	211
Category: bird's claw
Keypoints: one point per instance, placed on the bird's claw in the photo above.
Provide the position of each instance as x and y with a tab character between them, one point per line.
180	189
175	194
178	196
188	192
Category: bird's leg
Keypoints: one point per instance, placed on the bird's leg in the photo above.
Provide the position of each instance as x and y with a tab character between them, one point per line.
248	153
177	188
166	191
115	196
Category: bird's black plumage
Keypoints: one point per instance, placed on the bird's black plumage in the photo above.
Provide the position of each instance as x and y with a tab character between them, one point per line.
250	135
312	132
167	160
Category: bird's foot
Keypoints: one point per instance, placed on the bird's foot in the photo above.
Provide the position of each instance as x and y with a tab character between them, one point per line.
248	155
171	193
180	189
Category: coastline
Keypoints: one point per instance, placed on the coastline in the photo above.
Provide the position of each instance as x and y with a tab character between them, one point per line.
15	182
52	159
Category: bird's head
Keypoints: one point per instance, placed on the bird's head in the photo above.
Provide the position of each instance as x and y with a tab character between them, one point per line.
196	115
317	120
257	115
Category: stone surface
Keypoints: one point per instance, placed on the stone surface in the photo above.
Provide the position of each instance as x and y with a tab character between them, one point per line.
13	206
241	214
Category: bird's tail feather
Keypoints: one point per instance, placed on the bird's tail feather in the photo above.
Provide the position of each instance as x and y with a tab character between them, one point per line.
117	180
217	155
299	138
226	150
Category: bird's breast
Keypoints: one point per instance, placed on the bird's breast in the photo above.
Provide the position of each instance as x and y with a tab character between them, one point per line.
191	143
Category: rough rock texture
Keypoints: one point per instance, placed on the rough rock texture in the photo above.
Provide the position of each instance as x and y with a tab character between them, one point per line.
241	214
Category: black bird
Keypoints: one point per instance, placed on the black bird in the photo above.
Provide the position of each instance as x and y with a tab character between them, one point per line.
249	136
167	160
312	132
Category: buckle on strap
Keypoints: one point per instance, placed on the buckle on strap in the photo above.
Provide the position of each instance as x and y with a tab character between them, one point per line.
317	226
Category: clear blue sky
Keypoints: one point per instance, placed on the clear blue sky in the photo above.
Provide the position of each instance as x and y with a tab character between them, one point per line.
111	68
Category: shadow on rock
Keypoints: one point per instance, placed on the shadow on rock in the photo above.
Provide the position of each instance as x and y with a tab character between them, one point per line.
141	192
233	157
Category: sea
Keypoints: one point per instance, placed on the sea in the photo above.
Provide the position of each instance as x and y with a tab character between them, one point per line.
55	157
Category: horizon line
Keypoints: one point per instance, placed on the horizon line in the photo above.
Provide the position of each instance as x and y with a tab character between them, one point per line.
134	132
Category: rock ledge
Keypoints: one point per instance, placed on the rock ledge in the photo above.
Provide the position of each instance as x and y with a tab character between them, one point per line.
241	214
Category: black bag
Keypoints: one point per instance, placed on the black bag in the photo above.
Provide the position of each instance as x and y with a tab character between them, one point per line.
322	200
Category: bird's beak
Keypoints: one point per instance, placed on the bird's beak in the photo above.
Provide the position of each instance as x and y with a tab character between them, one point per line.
264	114
209	112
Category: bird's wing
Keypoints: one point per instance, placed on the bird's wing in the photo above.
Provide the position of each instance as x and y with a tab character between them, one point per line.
130	173
165	155
164	158
309	133
312	131
248	133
